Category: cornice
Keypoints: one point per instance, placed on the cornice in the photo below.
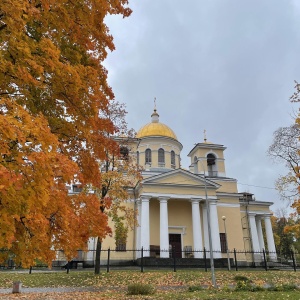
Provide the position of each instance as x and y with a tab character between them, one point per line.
186	197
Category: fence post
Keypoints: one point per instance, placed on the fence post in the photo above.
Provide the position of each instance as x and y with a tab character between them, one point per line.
235	260
142	259
205	264
265	260
294	262
174	260
108	260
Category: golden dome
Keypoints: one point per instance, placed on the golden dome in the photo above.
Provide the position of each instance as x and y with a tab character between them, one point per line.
155	128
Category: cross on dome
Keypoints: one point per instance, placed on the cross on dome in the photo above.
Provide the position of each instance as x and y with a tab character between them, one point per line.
155	115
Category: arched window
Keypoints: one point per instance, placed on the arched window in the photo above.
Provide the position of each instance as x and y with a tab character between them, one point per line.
173	159
196	165
211	165
211	159
148	156
124	151
137	157
161	157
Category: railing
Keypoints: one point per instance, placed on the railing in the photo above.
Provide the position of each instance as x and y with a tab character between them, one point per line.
187	258
212	174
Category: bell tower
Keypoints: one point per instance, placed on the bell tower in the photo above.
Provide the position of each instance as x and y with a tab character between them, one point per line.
207	159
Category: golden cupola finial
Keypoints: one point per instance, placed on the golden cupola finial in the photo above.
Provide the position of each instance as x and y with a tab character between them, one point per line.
156	128
155	115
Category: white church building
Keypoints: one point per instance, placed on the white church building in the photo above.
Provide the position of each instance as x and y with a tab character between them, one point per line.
172	204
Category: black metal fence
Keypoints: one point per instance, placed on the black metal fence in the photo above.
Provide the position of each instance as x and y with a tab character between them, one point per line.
144	258
148	259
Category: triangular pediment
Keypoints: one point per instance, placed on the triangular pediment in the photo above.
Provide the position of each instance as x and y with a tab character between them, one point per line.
180	177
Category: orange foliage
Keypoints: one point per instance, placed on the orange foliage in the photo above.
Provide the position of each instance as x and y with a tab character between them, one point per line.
36	211
53	89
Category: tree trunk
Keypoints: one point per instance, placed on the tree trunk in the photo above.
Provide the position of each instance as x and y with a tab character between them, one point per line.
98	254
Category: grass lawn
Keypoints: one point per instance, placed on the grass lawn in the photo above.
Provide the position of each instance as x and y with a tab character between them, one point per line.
169	285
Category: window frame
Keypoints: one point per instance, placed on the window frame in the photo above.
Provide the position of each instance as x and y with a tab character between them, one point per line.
161	156
148	156
173	158
223	242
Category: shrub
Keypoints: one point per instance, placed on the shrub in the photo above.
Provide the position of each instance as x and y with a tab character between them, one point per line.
283	287
140	289
245	284
195	288
241	278
248	286
289	287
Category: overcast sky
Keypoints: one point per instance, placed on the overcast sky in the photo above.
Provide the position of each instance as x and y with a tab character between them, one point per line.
227	66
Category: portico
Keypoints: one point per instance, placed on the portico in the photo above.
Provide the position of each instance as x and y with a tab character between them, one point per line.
178	213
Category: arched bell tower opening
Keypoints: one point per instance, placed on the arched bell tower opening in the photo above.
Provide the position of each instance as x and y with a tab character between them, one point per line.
212	168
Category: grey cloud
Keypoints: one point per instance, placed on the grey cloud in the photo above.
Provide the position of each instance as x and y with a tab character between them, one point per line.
224	66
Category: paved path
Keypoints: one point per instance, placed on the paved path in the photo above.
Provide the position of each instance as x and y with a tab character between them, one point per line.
81	289
60	289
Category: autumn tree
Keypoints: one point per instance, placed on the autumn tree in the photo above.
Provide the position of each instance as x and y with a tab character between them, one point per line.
285	148
36	211
284	241
53	93
120	175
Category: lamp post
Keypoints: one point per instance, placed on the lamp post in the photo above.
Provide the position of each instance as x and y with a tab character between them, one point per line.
212	266
227	251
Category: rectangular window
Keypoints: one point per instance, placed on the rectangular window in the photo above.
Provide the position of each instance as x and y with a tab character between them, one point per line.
223	242
76	188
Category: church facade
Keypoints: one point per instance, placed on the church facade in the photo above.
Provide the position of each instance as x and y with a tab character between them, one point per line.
189	209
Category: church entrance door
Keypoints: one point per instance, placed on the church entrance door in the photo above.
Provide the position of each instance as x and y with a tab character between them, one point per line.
175	243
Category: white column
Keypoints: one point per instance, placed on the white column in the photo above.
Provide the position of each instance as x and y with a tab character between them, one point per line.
215	233
91	248
205	227
260	233
164	227
145	228
270	238
254	235
138	231
197	231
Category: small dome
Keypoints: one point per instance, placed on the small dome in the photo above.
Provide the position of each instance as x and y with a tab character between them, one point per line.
155	128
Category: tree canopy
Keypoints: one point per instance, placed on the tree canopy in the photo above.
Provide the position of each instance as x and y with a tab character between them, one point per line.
286	148
54	107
